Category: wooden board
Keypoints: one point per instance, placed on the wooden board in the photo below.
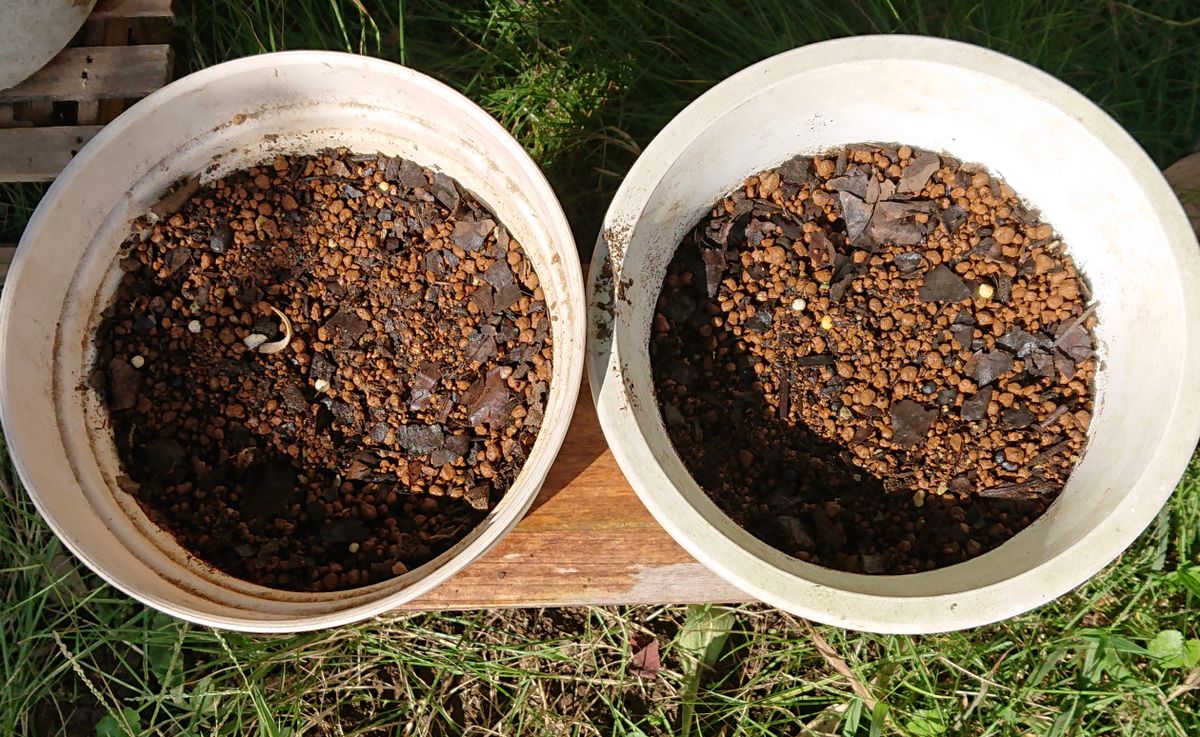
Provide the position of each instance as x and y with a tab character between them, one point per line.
6	257
1184	176
120	55
96	73
587	540
39	154
108	9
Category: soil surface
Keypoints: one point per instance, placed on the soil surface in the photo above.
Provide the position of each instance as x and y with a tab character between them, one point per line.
879	360
323	371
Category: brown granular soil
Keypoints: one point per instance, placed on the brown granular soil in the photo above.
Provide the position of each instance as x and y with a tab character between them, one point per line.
878	360
394	417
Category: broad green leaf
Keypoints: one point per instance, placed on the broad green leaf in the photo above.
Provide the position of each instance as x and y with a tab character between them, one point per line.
700	642
161	657
703	635
129	724
1172	651
926	723
1191	654
204	698
1167	644
162	650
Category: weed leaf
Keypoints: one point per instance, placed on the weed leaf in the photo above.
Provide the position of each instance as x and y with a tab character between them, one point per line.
1173	651
701	640
129	724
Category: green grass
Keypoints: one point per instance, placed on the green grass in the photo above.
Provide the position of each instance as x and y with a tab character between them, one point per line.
584	85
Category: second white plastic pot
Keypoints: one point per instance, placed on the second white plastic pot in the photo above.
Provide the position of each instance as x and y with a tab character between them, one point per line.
1089	178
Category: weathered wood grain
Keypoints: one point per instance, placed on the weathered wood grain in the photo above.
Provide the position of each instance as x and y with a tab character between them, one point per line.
7	251
96	72
106	9
587	540
39	154
1184	177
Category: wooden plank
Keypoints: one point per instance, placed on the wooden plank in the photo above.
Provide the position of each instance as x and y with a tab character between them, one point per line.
142	31
96	72
132	9
37	112
93	32
1184	177
7	251
587	540
116	33
87	112
39	154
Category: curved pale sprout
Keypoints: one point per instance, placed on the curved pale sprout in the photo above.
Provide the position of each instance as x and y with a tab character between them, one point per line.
278	345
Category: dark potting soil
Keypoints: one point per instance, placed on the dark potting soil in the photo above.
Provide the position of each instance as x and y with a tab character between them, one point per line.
879	360
323	371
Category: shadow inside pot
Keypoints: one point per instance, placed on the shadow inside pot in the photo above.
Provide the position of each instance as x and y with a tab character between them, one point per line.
789	484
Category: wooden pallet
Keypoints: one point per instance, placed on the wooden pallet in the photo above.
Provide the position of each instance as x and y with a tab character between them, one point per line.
121	54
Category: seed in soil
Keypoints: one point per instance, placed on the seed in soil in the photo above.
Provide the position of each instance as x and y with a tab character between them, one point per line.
930	395
323	371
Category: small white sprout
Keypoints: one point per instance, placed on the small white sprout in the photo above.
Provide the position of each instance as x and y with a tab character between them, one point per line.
282	343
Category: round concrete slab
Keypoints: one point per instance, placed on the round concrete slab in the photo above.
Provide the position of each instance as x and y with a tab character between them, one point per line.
33	31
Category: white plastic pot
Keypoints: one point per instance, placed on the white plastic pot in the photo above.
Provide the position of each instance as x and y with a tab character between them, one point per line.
222	119
1089	178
